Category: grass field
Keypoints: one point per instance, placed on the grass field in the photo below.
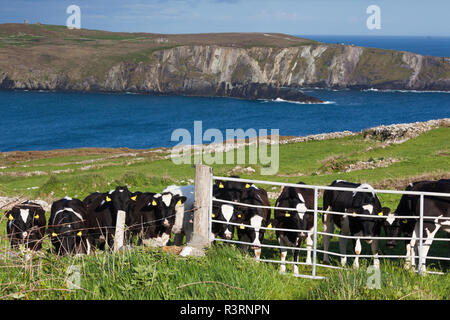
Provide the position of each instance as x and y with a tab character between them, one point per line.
226	272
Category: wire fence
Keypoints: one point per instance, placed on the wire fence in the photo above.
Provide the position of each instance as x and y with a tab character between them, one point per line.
417	237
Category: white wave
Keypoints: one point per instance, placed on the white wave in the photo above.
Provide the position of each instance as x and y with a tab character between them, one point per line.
300	102
404	91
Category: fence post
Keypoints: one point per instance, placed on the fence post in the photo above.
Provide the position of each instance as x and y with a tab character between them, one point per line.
420	233
202	203
315	233
120	229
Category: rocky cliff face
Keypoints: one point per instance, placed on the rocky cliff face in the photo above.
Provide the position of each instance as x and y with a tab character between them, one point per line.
217	70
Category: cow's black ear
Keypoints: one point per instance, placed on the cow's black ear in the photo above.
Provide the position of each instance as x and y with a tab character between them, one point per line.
181	200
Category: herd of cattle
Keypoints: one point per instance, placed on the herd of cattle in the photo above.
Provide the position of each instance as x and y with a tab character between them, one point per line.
75	226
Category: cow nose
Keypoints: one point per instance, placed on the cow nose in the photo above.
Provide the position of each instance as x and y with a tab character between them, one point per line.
24	234
369	241
166	223
302	235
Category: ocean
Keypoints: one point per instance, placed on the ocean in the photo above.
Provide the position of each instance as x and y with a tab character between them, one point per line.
53	120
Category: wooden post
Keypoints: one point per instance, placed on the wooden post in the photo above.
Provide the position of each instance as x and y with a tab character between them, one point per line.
120	229
202	205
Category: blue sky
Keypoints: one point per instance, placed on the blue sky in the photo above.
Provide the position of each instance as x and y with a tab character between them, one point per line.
309	17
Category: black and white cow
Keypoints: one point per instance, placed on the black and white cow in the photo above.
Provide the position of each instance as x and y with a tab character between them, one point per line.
144	218
254	217
168	204
67	227
184	212
26	225
229	191
409	205
354	203
301	200
103	209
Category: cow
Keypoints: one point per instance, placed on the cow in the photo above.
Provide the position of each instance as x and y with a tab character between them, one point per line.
184	217
67	227
103	209
171	206
409	205
301	200
26	225
229	191
255	218
353	203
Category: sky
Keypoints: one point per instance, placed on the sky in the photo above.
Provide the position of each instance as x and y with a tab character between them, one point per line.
308	17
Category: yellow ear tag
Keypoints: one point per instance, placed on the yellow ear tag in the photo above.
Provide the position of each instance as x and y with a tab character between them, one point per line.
354	213
221	186
79	234
405	221
10	218
36	216
269	226
380	214
239	215
134	198
213	215
108	199
179	203
241	227
154	203
247	186
287	214
54	234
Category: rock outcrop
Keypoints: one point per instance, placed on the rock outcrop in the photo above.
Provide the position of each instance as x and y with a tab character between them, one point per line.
242	71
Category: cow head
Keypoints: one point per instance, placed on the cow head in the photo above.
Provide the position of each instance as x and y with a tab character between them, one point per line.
119	200
26	225
406	207
144	217
229	190
226	213
255	217
290	198
367	203
167	204
67	227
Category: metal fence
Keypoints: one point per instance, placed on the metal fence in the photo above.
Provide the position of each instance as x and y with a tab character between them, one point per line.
417	235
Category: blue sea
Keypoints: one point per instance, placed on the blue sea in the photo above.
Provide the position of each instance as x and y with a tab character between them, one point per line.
50	120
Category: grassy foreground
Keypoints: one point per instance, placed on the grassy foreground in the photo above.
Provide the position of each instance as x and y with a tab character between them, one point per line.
226	272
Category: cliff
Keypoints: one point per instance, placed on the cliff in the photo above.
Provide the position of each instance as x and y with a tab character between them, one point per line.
244	65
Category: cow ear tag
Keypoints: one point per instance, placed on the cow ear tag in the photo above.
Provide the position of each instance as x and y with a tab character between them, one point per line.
54	234
213	215
287	214
36	216
269	226
108	199
241	227
221	186
239	215
79	234
354	213
10	218
247	186
405	221
380	214
179	203
134	198
153	203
